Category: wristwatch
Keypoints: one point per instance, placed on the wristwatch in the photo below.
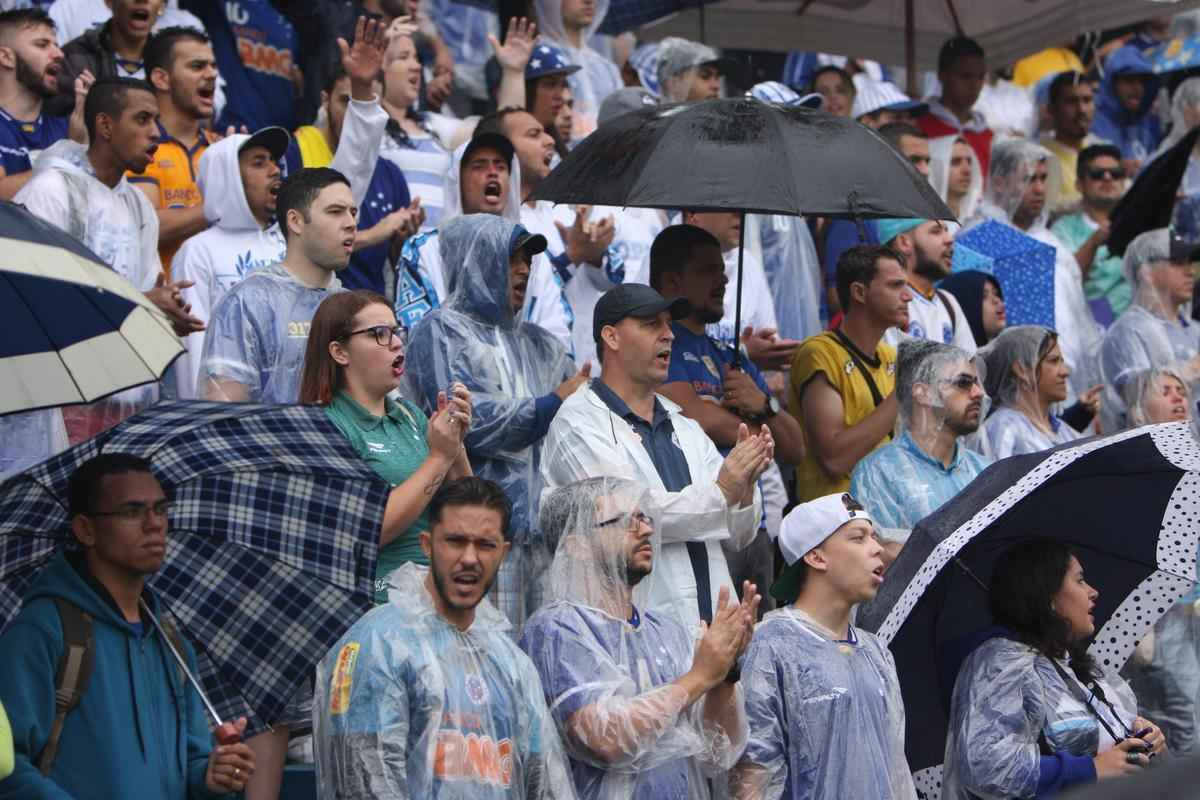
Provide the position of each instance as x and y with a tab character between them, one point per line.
771	410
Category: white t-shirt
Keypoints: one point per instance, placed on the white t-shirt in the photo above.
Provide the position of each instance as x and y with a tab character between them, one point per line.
930	319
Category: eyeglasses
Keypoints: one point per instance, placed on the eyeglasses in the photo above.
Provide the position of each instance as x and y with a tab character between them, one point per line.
631	520
1116	173
964	382
135	512
385	333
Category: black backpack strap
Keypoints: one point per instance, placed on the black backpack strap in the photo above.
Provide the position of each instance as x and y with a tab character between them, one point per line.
71	677
949	309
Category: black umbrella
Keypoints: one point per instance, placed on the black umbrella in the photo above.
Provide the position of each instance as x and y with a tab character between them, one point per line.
742	155
1129	503
1150	201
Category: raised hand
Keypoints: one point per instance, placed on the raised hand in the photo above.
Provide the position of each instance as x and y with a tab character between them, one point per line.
721	642
514	54
586	242
363	60
767	350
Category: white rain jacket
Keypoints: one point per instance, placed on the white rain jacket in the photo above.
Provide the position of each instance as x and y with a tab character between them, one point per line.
587	440
599	76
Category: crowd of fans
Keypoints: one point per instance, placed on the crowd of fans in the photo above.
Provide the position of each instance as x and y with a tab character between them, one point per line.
594	470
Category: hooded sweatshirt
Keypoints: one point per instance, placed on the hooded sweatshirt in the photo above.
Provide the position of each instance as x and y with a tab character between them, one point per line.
422	275
217	258
1137	133
139	731
599	76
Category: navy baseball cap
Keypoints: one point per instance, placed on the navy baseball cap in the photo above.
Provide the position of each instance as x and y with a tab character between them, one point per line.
547	59
634	300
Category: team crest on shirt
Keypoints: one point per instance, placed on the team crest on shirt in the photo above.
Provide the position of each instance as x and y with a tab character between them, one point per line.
916	330
849	368
477	690
711	366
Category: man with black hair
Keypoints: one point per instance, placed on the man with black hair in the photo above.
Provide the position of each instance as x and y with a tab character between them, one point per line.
1100	182
962	70
427	696
1072	109
84	191
138	724
842	380
30	62
114	50
181	67
254	347
808	662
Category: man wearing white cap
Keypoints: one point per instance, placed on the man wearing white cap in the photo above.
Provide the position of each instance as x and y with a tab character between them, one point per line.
878	103
822	698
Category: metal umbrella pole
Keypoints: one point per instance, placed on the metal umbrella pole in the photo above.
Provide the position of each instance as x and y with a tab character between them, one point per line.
737	311
226	733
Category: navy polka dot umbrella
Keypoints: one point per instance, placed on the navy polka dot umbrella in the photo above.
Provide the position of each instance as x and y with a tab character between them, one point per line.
1129	504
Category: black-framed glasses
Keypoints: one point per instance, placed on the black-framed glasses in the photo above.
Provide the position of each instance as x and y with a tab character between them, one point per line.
135	512
1097	173
631	520
964	382
385	333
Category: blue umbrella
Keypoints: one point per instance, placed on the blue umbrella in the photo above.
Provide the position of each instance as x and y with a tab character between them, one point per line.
274	530
71	329
1023	266
1175	55
1129	503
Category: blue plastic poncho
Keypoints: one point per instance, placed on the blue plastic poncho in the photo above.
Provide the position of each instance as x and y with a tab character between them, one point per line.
1006	695
408	707
826	716
254	349
629	730
512	369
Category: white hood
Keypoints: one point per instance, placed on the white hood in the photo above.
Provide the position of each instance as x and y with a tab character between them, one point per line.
220	182
550	21
941	149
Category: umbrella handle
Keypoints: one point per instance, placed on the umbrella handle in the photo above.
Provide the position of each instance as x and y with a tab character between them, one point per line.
227	733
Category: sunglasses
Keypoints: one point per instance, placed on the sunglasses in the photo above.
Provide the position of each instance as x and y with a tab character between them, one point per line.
964	382
631	521
1098	173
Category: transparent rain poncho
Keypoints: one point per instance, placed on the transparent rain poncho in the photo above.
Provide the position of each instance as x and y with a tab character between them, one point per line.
254	346
1149	333
826	715
793	270
900	483
1005	697
29	438
1141	386
510	367
678	60
599	76
1014	162
609	685
409	707
1012	360
941	151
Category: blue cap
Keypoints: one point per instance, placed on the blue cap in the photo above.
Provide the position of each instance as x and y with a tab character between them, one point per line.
644	60
548	59
784	95
888	229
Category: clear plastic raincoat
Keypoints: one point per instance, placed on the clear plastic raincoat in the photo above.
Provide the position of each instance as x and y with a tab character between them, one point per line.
1009	429
512	368
599	77
1013	164
678	60
1141	386
29	438
941	150
1149	333
1005	697
900	483
608	668
826	715
257	336
793	270
409	707
121	227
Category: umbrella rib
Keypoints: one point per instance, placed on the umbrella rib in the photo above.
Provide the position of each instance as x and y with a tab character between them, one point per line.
49	338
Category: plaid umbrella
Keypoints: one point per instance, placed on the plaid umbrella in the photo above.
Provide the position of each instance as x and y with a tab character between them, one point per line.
274	530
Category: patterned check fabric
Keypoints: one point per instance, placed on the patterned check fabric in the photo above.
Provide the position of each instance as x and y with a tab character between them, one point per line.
274	530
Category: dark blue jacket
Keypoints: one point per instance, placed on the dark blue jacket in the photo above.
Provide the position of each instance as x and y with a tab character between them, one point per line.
1137	133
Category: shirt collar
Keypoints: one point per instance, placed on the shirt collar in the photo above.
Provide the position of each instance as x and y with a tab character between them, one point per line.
622	409
909	444
364	419
977	123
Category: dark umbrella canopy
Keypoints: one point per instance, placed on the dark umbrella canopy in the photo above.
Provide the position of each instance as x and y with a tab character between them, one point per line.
273	533
1150	201
740	154
1128	503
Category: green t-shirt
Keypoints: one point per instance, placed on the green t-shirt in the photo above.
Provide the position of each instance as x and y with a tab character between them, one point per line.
1107	277
394	445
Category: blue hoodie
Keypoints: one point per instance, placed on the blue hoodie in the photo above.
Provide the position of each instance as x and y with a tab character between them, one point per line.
138	731
1137	133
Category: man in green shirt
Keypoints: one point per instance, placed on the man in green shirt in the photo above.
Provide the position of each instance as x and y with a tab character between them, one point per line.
1101	182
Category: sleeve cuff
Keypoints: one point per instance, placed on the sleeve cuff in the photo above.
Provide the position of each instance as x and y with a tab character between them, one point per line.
544	409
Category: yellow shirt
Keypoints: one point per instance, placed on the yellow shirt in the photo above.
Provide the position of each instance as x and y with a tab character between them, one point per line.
170	180
314	150
1062	170
824	354
1051	61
